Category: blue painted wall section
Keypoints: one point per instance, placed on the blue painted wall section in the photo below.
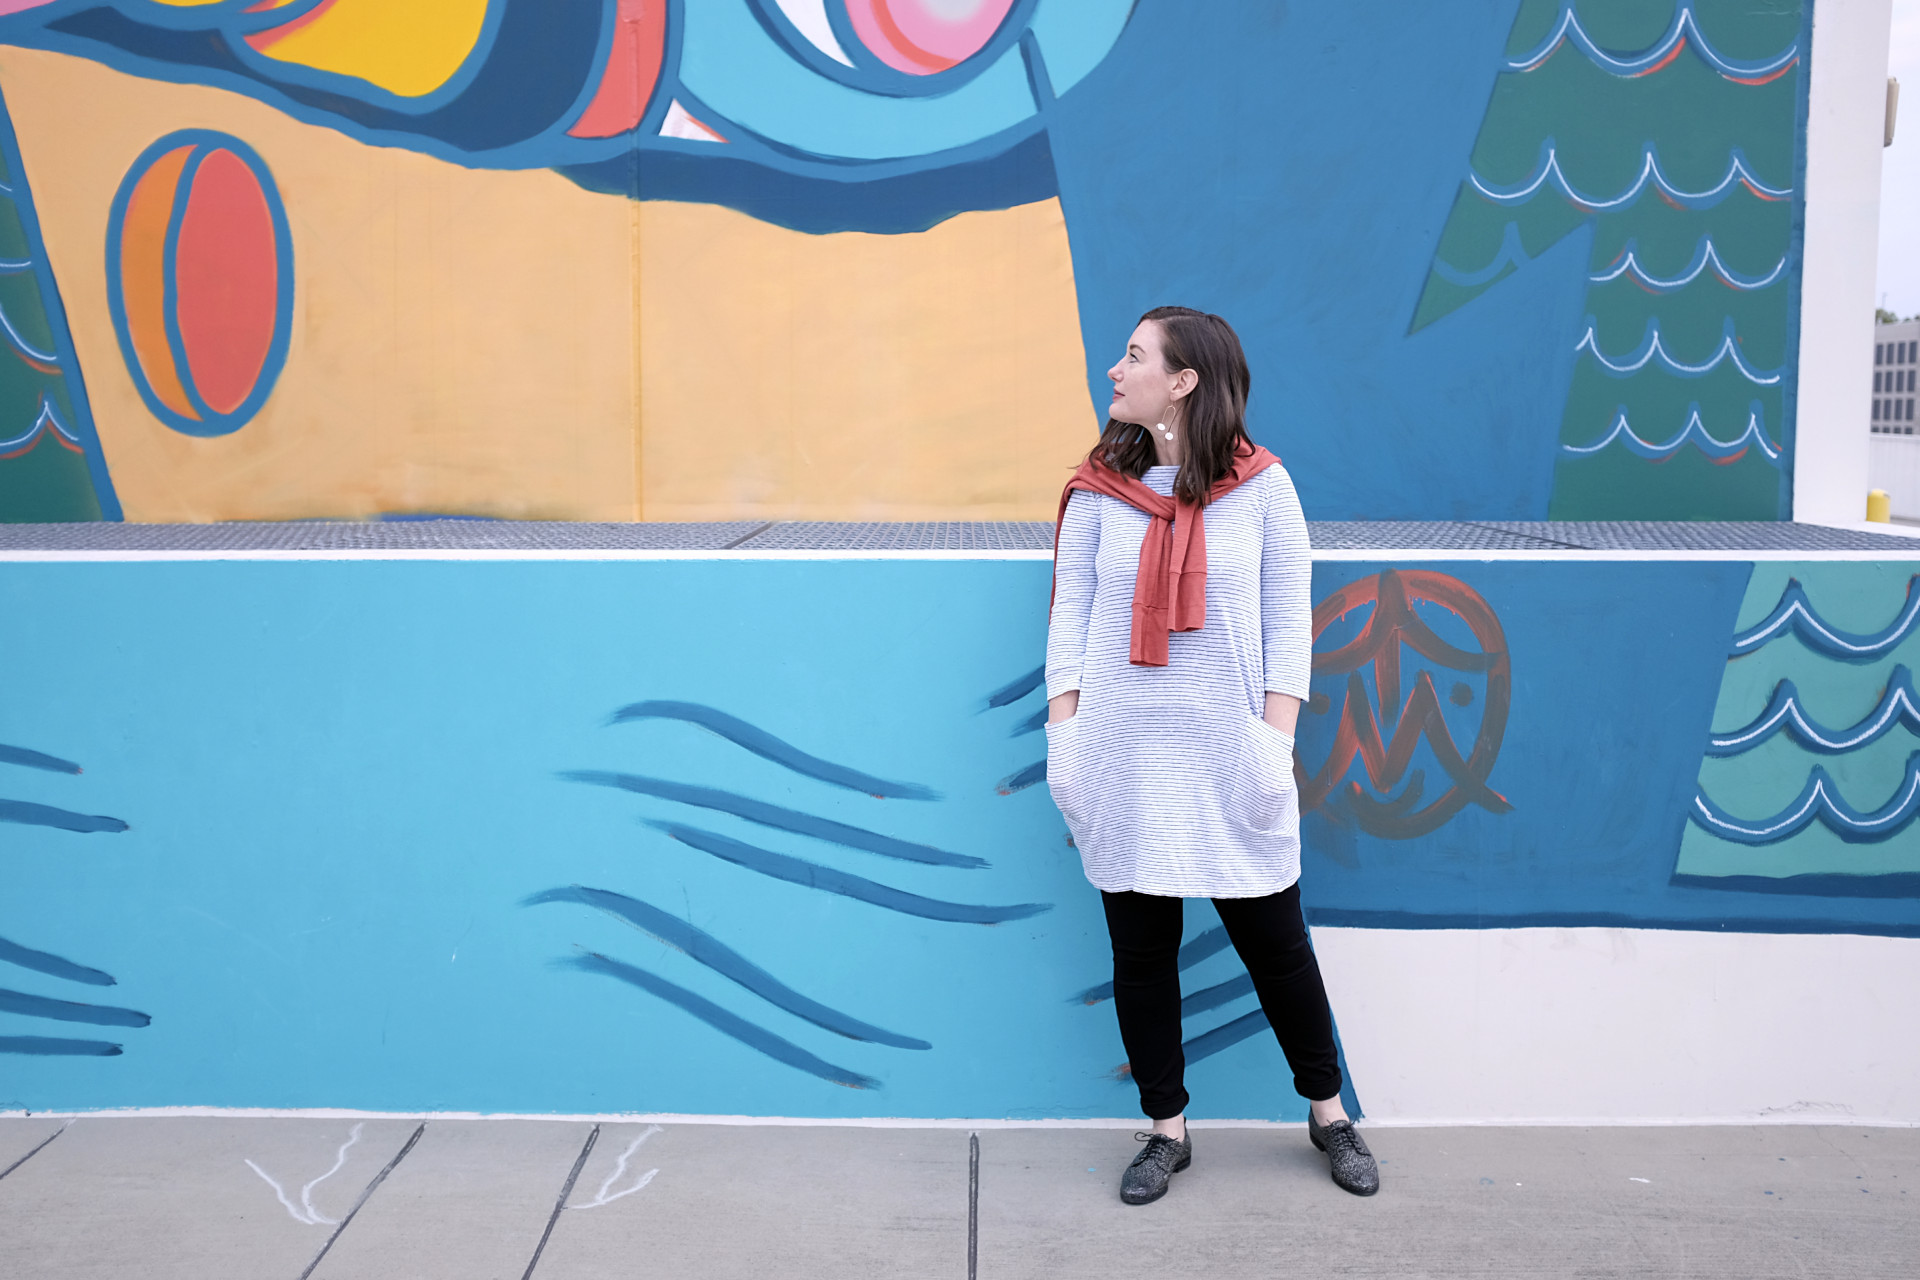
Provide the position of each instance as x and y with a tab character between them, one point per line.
508	836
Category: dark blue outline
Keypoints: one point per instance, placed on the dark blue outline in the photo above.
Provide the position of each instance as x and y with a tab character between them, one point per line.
1815	884
1816	736
1794	614
203	141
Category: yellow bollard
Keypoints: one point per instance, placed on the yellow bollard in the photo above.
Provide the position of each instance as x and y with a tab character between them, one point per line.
1879	506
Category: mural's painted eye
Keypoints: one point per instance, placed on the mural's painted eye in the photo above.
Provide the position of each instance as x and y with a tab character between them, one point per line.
200	280
923	37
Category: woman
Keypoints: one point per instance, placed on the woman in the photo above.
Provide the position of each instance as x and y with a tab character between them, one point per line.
1177	657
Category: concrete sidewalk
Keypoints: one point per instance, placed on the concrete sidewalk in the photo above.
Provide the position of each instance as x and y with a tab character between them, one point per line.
400	1199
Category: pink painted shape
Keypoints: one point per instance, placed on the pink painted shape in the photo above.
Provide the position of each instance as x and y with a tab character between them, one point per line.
952	37
922	37
20	6
227	281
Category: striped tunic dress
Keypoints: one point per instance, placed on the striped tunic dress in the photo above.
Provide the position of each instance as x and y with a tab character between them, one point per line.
1170	781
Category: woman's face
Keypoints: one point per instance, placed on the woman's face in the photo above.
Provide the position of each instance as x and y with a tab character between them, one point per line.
1142	387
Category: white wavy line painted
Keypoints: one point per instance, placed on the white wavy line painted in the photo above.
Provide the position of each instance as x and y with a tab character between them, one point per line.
11	267
47	418
619	1170
1737	171
1815	796
1889	711
1784	624
1620	426
1570	28
1701	261
304	1213
13	336
1728	350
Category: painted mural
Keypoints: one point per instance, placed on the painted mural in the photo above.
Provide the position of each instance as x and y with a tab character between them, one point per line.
398	847
532	258
1810	780
40	1010
1668	134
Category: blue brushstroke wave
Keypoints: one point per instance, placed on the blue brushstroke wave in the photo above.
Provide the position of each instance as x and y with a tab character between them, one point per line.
1899	705
35	759
1738	174
1819	801
767	747
725	961
1018	689
1795	615
1213	997
50	1046
45	815
55	966
1685	30
793	870
731	1024
769	815
68	1011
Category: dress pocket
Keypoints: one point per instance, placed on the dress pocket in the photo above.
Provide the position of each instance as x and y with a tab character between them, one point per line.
1063	768
1263	791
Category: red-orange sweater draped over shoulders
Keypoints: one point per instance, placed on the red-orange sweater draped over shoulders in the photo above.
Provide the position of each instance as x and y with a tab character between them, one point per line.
1170	590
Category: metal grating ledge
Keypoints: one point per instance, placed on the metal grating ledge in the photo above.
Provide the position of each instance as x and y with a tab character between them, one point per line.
456	535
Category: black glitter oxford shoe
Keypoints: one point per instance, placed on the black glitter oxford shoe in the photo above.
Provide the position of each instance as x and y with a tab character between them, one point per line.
1147	1177
1353	1166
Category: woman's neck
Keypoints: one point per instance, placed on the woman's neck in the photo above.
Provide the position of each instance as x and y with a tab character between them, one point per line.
1168	453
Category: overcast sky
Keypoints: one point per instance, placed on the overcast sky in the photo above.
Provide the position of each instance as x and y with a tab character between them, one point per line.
1900	172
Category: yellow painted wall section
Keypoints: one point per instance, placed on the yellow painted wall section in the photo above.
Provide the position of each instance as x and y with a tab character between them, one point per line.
935	376
407	47
462	340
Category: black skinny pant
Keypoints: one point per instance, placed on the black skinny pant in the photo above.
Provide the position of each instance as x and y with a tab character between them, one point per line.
1270	936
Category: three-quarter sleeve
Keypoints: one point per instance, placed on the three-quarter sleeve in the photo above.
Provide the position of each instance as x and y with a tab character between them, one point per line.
1286	591
1073	583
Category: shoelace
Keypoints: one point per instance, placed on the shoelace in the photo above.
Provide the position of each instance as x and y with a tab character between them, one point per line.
1159	1147
1345	1137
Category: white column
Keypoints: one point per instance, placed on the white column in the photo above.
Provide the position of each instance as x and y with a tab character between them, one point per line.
1847	77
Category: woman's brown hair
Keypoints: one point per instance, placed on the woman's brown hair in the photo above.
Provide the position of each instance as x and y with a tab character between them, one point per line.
1214	412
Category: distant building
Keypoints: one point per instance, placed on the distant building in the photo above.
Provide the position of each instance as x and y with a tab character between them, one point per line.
1893	455
1896	361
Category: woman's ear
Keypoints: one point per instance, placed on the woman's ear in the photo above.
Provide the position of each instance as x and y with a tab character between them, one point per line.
1184	382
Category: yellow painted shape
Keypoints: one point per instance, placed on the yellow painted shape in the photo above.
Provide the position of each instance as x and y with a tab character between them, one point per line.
143	282
407	47
935	376
462	340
